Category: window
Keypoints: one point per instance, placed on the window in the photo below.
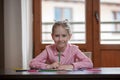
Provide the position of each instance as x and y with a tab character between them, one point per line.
116	16
110	22
63	13
53	10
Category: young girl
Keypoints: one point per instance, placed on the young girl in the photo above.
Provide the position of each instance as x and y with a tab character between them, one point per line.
61	55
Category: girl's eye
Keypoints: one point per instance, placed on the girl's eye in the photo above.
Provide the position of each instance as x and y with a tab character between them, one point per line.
56	35
64	35
61	35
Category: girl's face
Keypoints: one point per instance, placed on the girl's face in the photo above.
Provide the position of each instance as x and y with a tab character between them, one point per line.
61	37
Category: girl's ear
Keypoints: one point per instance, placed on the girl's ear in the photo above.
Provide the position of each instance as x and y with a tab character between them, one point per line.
70	35
52	35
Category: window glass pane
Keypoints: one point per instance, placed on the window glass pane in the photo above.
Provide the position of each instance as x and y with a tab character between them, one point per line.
68	13
58	14
73	10
110	21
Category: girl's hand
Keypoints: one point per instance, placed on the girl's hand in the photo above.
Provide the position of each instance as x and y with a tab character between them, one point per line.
54	65
65	67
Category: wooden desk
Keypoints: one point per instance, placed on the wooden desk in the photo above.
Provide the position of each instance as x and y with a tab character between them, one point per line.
90	74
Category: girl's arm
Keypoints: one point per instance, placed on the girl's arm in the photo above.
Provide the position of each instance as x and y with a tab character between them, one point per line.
83	61
39	62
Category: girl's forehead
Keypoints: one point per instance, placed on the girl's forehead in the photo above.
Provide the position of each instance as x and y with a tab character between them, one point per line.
60	29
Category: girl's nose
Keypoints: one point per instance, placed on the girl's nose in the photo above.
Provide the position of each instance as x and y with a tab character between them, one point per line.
60	38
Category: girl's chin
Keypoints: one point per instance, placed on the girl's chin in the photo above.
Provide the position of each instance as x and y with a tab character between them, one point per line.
61	46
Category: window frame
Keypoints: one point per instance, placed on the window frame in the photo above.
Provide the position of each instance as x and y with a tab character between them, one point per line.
37	29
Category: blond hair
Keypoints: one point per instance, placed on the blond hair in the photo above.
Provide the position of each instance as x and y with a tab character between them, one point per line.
65	24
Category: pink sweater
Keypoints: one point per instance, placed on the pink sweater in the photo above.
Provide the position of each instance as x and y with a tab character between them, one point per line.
71	55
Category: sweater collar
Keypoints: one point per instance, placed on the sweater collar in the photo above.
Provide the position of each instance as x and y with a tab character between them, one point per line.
62	53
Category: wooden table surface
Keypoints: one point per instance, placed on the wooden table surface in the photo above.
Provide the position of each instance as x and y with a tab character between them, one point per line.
86	74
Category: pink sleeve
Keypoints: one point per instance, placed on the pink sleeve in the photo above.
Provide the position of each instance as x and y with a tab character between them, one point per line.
83	60
39	61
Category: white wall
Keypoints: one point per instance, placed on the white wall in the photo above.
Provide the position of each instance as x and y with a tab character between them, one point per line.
13	32
27	31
